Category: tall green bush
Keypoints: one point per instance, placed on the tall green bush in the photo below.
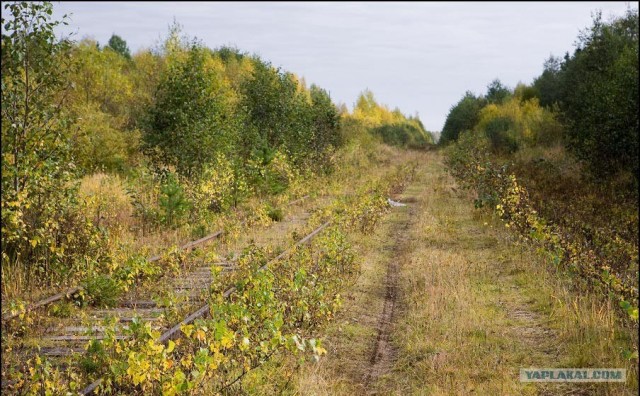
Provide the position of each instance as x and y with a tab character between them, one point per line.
600	96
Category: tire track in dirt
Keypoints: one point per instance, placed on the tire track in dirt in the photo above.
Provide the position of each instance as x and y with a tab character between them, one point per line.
384	352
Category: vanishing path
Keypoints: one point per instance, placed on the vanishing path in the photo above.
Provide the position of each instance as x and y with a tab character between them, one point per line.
449	303
383	354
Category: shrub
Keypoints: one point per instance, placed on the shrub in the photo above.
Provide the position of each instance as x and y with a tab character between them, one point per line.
95	357
518	123
220	186
463	116
143	189
43	230
275	214
500	131
102	144
106	202
600	96
404	135
61	309
102	291
173	203
271	171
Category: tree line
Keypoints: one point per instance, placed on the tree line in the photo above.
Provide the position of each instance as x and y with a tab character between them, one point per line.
592	94
189	130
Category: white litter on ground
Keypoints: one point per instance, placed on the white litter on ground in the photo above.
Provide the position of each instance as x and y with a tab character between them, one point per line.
394	203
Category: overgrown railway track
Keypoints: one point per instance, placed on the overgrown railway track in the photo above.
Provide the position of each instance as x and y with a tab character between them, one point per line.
68	344
62	341
69	292
203	311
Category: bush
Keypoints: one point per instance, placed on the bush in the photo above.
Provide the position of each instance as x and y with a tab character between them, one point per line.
275	214
95	358
219	187
102	144
463	116
102	291
189	121
61	309
43	229
174	205
271	172
600	96
500	131
518	123
137	268
106	202
143	190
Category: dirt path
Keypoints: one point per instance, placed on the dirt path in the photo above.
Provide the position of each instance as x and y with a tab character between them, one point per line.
360	342
384	352
450	303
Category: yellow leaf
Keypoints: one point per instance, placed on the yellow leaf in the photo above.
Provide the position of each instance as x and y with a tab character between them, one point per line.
186	361
157	348
138	379
187	330
227	340
167	364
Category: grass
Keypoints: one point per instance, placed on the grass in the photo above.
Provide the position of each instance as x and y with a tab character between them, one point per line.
275	214
352	336
475	307
107	203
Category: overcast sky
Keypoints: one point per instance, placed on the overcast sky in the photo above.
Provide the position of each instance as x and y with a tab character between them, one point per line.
419	57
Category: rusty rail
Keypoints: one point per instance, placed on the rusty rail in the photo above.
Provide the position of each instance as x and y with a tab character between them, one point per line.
42	303
67	293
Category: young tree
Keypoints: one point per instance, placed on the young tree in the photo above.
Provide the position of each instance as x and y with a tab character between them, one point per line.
103	77
326	121
117	44
37	172
268	102
497	93
189	121
34	86
548	84
463	116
